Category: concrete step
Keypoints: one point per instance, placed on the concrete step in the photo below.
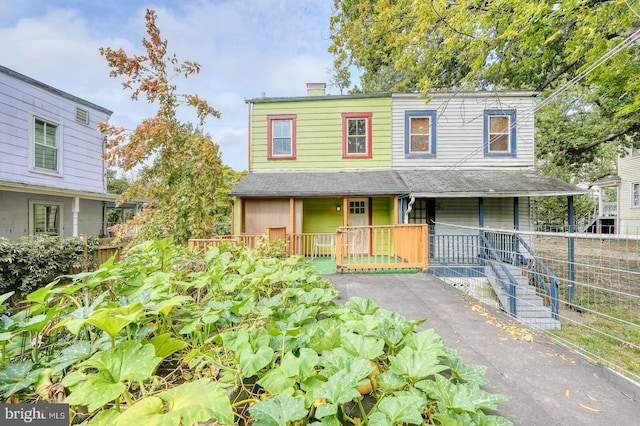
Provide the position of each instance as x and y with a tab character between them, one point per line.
530	307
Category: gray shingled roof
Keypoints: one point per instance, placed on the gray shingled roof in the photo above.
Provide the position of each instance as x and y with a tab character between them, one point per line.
420	183
484	183
286	184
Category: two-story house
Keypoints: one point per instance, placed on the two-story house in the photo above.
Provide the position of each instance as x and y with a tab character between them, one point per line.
320	162
618	209
52	174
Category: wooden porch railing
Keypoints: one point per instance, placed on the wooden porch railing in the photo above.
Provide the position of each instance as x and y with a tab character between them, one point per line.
382	247
356	247
250	240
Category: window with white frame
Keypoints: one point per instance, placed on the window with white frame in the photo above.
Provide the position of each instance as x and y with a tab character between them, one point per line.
356	135
45	218
46	145
635	194
500	133
281	137
420	134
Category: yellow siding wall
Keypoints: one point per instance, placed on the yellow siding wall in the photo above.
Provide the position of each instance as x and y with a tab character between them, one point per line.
319	133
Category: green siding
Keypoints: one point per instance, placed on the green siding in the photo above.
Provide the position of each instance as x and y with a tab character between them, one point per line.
319	133
382	211
320	215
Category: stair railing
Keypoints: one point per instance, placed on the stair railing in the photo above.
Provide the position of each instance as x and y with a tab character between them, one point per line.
495	261
533	262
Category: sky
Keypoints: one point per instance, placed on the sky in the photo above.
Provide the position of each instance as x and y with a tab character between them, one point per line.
245	48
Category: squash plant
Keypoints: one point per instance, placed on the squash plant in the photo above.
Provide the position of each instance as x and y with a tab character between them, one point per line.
169	336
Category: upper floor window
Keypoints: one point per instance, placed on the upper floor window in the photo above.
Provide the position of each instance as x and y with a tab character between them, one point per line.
635	151
500	133
419	134
356	135
281	137
46	145
45	218
635	194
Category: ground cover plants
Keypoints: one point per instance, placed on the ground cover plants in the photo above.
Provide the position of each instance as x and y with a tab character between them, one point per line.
169	336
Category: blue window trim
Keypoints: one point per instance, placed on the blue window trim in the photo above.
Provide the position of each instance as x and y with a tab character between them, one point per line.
511	113
407	129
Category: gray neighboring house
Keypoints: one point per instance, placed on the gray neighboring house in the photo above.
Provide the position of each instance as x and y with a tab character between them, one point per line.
52	172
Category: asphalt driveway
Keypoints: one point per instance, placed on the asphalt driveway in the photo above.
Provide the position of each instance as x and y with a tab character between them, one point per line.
545	382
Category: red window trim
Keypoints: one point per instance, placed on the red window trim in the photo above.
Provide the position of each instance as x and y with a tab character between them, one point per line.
270	119
367	116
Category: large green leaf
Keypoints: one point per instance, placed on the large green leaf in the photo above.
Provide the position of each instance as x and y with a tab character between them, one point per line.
402	409
186	405
362	306
77	352
302	366
467	372
426	341
251	362
461	396
112	320
165	345
363	347
129	361
18	376
279	411
278	382
415	365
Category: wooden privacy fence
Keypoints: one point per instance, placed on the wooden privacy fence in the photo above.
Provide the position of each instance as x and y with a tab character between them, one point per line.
382	247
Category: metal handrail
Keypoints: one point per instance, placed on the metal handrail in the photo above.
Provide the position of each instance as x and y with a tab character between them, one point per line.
511	288
552	289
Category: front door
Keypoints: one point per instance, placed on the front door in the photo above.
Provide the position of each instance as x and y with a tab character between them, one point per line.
358	215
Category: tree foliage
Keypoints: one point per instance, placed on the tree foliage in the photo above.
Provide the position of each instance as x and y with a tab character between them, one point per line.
178	167
509	44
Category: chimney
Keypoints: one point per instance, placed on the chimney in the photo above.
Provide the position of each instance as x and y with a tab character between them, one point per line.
316	89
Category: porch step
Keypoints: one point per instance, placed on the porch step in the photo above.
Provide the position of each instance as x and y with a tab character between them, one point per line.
530	307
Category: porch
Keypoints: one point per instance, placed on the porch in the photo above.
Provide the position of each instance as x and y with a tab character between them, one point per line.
352	248
523	284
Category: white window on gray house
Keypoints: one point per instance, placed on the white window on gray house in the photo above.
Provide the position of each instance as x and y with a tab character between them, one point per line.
46	145
420	134
45	218
635	194
500	133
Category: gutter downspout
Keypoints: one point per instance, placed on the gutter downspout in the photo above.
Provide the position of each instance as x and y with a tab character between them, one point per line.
249	116
409	208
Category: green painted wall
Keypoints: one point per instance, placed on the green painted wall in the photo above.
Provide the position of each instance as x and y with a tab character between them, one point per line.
320	215
382	211
319	133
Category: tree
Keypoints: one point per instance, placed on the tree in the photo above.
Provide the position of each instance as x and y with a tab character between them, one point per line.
508	44
116	185
178	167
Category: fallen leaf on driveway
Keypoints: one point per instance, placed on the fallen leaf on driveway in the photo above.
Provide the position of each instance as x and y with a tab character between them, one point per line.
586	407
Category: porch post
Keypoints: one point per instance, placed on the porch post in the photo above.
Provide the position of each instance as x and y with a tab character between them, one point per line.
75	211
571	248
481	225
516	227
292	222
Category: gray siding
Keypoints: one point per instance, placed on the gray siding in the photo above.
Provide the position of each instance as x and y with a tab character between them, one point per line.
460	129
14	214
498	214
628	216
82	145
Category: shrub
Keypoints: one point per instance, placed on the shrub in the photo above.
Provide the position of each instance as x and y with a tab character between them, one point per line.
30	263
